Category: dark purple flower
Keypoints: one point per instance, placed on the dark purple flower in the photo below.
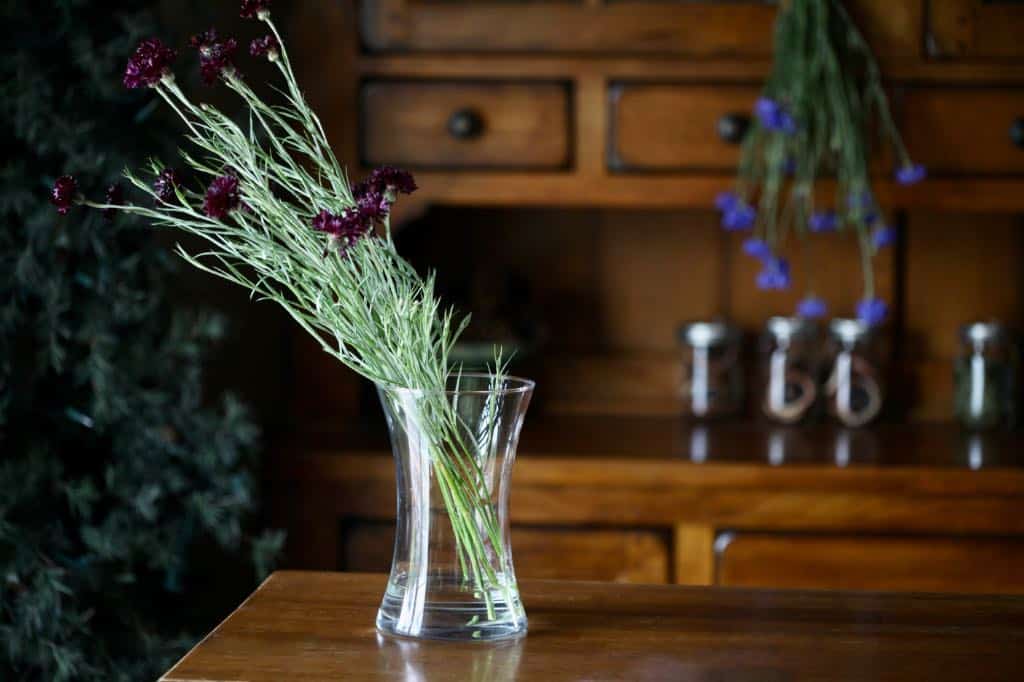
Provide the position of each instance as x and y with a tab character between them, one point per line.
823	221
63	193
882	237
389	179
370	201
811	308
267	45
726	200
115	197
345	229
775	274
215	55
222	196
871	311
773	116
758	248
251	9
165	184
738	218
152	59
911	174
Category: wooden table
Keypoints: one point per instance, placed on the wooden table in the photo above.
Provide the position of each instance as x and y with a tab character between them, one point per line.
319	626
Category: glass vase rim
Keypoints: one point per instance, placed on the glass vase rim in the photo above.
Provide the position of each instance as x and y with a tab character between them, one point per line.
512	385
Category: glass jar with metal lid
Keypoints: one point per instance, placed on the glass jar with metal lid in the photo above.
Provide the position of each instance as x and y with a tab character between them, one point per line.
985	376
712	378
790	354
854	387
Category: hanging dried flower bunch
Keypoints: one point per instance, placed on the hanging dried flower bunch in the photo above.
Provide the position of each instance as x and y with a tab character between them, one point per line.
821	107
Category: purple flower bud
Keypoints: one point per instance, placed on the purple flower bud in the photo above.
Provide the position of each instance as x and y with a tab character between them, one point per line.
222	197
151	60
115	197
775	274
758	248
251	9
883	237
738	218
63	193
165	184
911	174
726	200
812	308
267	45
389	179
215	55
823	221
872	311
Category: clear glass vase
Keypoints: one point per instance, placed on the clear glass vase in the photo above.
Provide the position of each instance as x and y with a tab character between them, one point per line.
451	573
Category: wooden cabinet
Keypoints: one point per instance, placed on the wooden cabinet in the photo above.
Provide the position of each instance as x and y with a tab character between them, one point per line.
677	127
466	125
965	131
975	29
844	562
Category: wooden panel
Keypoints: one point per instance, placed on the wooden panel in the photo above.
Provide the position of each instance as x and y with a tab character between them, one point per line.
640	556
701	28
521	125
963	131
694	554
665	127
975	28
960	267
978	565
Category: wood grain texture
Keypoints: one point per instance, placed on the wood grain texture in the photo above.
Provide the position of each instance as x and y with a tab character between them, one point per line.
522	125
963	131
620	555
319	626
934	564
972	29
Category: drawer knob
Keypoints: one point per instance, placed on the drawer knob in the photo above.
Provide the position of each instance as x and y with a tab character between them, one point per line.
1017	133
465	124
732	127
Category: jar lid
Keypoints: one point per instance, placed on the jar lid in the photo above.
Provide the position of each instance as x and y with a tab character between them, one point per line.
703	334
790	327
848	330
980	332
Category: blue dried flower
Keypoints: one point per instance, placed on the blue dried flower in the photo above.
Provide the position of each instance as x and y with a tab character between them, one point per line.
775	274
726	200
911	174
883	237
758	248
738	218
872	311
823	221
812	308
773	116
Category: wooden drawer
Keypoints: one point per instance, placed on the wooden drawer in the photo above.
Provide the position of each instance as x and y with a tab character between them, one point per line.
462	125
929	564
640	556
700	28
966	29
663	127
964	130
